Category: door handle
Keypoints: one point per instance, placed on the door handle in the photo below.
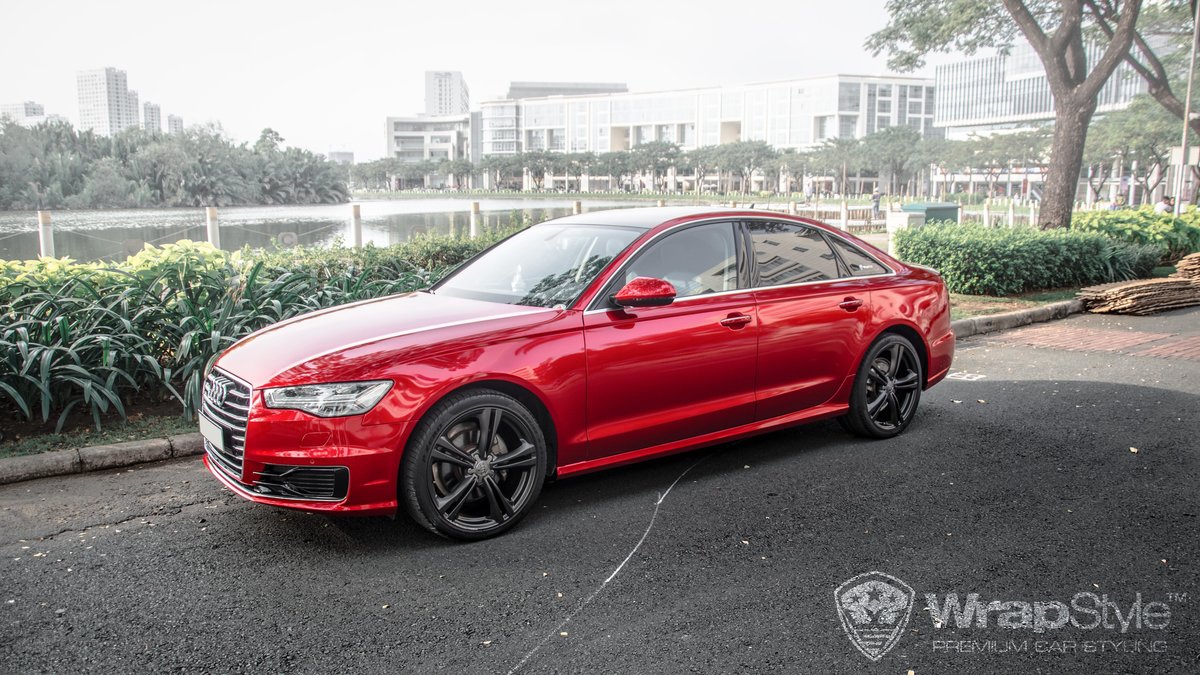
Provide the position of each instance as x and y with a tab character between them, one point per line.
850	304
736	320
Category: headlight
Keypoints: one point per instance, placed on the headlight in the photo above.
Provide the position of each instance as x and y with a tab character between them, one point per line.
329	400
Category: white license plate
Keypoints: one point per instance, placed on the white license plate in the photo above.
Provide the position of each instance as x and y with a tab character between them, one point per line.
212	433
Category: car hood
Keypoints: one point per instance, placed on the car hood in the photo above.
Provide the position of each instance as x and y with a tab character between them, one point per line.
299	348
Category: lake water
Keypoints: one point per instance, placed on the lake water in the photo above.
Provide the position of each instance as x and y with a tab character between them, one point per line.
115	234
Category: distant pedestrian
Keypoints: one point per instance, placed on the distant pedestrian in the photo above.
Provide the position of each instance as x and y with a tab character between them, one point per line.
876	197
1165	205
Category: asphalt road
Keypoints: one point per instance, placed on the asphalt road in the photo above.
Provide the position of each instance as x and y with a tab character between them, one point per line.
1018	486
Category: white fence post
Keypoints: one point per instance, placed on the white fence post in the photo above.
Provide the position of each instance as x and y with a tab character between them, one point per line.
45	234
474	231
214	230
356	237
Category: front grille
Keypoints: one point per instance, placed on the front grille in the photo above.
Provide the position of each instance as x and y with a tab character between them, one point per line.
225	400
303	482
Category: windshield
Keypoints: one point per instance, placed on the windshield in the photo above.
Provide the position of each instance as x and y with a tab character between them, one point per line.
543	266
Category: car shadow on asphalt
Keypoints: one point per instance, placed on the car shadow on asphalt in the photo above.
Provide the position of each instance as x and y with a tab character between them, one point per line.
1006	429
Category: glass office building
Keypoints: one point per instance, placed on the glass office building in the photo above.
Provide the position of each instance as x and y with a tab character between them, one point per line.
994	93
791	114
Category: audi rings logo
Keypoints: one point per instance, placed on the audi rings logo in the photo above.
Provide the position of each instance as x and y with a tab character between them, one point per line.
874	609
215	392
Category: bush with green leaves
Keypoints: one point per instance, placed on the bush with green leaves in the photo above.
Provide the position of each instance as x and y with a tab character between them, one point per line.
980	260
1177	236
93	337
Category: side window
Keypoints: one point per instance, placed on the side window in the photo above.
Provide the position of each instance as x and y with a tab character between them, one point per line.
860	264
697	260
788	253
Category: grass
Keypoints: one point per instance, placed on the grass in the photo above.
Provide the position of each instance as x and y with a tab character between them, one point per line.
966	306
139	426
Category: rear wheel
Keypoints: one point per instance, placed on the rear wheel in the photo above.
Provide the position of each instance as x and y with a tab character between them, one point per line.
887	389
474	466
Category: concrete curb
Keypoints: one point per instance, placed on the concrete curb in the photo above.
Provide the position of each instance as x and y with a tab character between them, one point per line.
97	457
991	323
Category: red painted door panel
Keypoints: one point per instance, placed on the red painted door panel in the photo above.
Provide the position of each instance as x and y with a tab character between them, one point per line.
808	342
662	374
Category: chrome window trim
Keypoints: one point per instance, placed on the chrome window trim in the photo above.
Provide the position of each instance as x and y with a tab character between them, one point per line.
591	308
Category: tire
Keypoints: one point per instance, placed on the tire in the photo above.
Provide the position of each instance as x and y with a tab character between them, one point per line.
451	488
887	389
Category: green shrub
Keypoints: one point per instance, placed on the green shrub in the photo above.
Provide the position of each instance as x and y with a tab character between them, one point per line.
90	336
980	260
1177	236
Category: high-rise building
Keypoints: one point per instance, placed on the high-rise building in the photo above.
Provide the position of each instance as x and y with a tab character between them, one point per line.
1009	91
152	117
341	157
19	111
446	93
106	105
174	124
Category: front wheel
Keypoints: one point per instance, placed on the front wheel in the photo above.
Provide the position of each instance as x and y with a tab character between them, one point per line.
887	389
474	466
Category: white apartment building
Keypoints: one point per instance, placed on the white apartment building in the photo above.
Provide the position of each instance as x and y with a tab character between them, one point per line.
446	93
790	114
19	111
174	124
152	117
106	104
421	137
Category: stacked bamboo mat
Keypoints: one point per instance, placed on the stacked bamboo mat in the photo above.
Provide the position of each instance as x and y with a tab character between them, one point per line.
1188	267
1147	296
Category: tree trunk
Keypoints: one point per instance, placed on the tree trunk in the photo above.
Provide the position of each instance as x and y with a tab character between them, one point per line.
1066	155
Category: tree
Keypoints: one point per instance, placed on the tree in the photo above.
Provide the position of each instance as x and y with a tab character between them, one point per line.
269	141
794	166
577	164
840	156
655	158
1143	133
459	169
1056	31
743	158
702	161
1160	47
893	152
615	165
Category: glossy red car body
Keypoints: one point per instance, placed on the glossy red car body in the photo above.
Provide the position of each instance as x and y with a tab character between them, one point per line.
610	386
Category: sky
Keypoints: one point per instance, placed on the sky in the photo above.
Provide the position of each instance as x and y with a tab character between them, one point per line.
327	75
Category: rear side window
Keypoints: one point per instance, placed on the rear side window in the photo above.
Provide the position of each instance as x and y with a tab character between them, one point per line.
859	263
788	253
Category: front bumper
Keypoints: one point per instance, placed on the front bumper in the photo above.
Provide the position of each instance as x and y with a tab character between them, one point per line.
294	460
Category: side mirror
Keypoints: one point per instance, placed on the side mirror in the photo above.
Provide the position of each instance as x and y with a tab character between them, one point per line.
645	292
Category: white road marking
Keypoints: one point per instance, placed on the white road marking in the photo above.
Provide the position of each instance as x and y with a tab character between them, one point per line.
963	375
586	601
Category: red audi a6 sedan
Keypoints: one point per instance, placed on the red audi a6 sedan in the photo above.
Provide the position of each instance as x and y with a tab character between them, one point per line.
578	344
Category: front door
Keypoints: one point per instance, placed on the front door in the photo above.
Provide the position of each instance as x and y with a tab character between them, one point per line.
663	374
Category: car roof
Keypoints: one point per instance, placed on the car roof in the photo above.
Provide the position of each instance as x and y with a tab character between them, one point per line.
643	217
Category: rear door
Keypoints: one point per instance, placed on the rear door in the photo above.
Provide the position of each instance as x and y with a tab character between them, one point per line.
812	317
663	374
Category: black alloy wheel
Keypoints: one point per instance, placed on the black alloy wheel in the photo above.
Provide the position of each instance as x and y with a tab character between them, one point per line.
887	389
474	466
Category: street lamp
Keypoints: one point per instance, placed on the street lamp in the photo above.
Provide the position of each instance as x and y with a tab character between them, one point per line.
1187	113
